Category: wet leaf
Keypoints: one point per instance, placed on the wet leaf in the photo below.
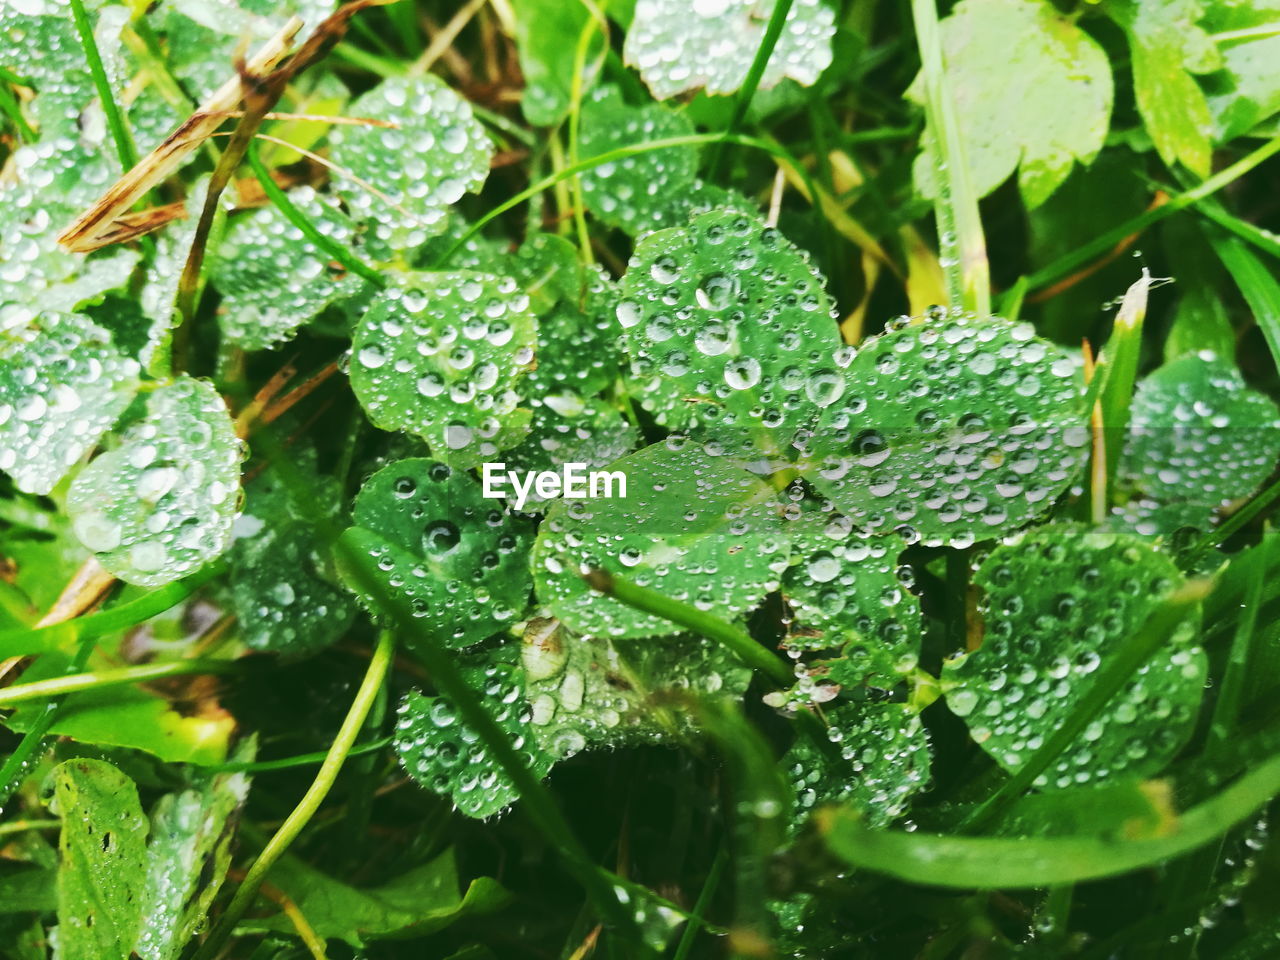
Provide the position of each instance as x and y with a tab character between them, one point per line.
595	692
188	858
1055	115
1058	600
458	557
710	44
882	762
446	756
730	332
847	594
161	505
435	153
439	356
272	279
952	430
102	860
1198	434
547	33
696	528
1247	91
62	385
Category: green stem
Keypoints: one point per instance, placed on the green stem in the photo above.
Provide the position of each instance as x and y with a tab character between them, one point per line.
9	104
1126	660
746	93
300	220
560	175
961	245
700	906
1227	710
691	618
301	760
20	642
1123	350
73	683
1073	261
115	122
1234	522
15	766
575	115
358	57
338	752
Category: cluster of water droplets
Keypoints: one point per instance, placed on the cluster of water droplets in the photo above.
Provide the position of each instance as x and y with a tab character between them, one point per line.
594	692
950	430
435	153
730	332
458	558
694	528
438	356
1197	433
272	278
679	46
62	385
161	505
445	754
879	762
1057	601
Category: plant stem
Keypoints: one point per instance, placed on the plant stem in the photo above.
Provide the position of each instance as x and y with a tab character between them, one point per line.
1126	660
691	618
337	754
300	220
1227	710
115	122
746	93
289	763
708	891
961	246
1123	350
75	682
1235	522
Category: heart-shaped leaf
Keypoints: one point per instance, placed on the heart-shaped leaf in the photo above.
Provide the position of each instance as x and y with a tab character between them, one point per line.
730	332
62	385
711	44
433	152
444	754
460	560
438	356
951	430
161	505
1058	600
696	528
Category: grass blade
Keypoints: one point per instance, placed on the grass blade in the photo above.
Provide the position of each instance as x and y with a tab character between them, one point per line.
115	122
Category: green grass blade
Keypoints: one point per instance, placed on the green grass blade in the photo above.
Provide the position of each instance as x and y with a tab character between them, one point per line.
1259	288
961	245
115	121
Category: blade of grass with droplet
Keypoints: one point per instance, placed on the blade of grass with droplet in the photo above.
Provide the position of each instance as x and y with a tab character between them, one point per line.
115	122
989	863
1123	350
1257	285
961	244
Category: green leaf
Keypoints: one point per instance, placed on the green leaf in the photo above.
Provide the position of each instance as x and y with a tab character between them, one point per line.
102	860
710	44
730	332
547	33
1247	91
588	691
1057	601
576	307
43	46
1199	435
273	279
434	154
188	858
1031	90
883	761
458	557
161	505
693	527
414	904
32	890
62	385
567	429
439	356
987	863
1167	48
950	430
847	593
446	756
